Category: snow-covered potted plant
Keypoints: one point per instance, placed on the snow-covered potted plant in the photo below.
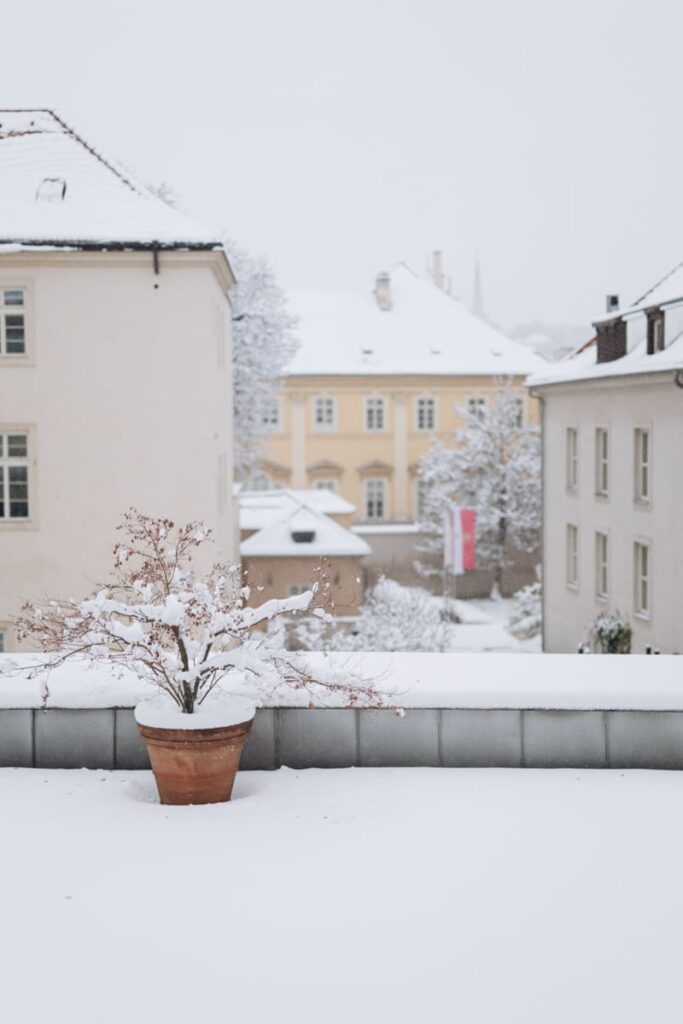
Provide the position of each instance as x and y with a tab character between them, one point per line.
189	633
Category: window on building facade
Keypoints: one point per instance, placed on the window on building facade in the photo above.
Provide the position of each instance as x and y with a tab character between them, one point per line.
422	492
519	412
642	453
374	414
12	322
375	502
2	641
602	462
572	459
601	565
476	407
572	556
294	589
325	485
14	497
324	413
426	413
641	579
270	414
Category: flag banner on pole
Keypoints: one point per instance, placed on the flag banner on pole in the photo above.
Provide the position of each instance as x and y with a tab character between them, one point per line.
460	555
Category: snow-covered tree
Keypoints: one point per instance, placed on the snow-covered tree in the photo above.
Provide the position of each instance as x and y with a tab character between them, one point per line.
175	627
395	618
526	618
264	342
493	466
611	633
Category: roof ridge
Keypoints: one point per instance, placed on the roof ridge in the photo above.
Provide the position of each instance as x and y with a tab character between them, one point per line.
657	284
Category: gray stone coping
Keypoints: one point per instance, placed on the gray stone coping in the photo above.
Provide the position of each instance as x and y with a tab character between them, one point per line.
341	738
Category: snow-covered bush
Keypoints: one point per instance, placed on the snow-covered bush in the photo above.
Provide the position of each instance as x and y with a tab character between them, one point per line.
493	466
173	626
526	617
611	633
264	341
395	618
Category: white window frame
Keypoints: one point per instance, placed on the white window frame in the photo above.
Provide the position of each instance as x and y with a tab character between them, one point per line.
602	462
324	414
8	463
375	414
326	485
572	449
425	414
476	407
371	500
421	492
15	310
601	565
642	465
271	416
642	579
572	556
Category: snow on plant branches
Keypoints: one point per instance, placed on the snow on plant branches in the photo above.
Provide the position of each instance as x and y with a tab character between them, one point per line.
172	626
495	467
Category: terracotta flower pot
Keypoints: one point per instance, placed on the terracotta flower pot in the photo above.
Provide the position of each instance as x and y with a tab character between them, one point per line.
195	766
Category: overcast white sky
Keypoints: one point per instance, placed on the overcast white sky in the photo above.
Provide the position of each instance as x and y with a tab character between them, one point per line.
338	136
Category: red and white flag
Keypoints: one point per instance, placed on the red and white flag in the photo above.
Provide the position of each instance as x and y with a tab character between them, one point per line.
460	553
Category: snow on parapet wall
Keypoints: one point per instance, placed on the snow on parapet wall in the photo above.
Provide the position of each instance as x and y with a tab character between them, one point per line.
425	331
56	190
547	681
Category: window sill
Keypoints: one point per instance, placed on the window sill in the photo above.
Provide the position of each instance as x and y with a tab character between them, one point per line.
25	360
601	496
17	524
642	503
573	588
643	617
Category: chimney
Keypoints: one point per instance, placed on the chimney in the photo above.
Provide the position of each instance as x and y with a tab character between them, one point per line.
437	269
383	292
611	303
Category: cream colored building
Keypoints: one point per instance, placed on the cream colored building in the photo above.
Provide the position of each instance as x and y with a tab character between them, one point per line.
115	364
613	477
378	376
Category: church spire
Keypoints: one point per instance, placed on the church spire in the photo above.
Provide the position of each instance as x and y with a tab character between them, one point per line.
477	296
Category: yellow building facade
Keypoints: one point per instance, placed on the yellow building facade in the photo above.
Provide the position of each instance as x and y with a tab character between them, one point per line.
379	375
363	437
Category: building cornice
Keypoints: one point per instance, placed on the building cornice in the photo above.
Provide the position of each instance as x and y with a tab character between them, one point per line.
156	256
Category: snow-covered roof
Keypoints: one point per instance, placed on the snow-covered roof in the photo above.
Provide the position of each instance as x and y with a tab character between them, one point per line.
318	536
426	331
260	508
583	364
57	191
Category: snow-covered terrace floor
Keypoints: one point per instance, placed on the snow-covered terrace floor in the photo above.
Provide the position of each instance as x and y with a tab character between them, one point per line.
365	895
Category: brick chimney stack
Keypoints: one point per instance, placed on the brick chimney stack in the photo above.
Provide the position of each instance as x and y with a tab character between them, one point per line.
437	269
383	291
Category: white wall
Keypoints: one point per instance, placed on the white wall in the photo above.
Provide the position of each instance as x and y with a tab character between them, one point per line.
127	396
621	405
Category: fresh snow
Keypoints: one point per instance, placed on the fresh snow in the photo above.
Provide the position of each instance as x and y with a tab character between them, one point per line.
102	202
160	712
262	508
416	680
369	895
425	332
329	538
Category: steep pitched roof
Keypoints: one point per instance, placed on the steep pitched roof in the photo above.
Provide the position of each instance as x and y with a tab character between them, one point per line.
57	191
583	363
262	508
327	538
424	332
